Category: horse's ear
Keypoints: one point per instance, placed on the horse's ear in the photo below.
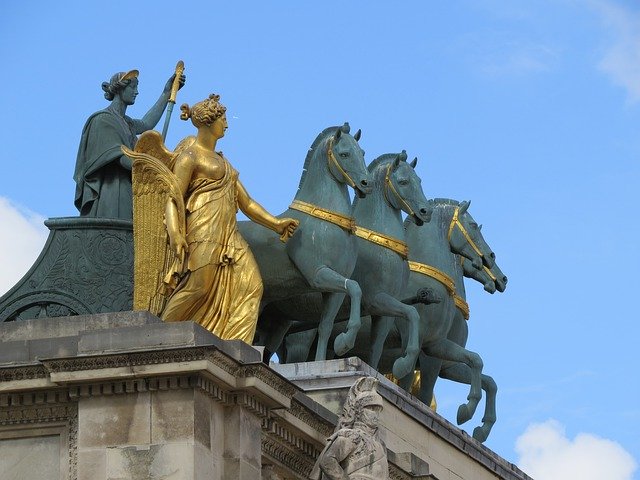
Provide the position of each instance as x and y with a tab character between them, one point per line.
414	162
480	227
357	136
403	156
338	134
464	206
345	128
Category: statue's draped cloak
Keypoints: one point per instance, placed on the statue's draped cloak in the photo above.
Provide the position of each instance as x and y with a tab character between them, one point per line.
364	456
222	287
103	186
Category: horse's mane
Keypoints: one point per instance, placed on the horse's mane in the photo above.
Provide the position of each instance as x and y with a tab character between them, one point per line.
373	166
437	202
319	139
385	158
445	201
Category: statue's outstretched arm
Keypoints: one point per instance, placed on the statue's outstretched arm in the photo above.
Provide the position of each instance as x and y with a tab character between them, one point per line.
256	212
152	117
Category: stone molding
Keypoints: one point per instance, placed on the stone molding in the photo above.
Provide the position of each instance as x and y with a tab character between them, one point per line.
31	409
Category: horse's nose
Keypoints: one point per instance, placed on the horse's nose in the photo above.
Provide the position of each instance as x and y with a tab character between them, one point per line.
504	279
424	211
364	183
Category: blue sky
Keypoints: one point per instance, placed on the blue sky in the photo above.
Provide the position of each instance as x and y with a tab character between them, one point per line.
531	109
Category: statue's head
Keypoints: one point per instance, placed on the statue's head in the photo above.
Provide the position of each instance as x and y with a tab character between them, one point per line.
363	404
207	113
123	84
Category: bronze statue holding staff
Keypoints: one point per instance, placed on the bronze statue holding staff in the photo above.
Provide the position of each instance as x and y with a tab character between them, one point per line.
103	173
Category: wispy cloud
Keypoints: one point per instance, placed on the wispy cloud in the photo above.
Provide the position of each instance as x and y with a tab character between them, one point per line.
519	58
23	235
621	58
545	453
507	53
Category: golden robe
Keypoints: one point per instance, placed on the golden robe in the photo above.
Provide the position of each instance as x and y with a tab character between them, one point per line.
222	287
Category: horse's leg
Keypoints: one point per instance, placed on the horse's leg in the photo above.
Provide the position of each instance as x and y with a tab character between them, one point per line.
447	350
298	345
380	328
429	370
461	373
385	303
275	327
331	302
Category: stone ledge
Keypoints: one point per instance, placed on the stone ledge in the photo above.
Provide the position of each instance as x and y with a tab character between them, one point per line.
338	375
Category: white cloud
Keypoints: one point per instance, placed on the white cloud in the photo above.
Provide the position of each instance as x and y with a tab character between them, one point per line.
545	453
621	59
22	238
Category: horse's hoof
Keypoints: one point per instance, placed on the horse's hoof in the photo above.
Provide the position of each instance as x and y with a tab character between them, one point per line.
463	414
340	345
480	435
401	368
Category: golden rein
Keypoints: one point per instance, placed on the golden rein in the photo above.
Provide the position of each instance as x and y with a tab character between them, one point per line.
383	240
349	225
445	280
344	221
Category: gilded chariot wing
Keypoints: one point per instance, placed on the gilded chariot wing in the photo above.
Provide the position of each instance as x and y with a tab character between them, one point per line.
157	270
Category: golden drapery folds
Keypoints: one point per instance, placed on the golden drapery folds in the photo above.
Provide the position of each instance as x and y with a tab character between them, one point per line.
222	287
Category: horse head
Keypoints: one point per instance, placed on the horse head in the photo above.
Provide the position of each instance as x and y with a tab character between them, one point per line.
466	239
481	275
346	160
402	187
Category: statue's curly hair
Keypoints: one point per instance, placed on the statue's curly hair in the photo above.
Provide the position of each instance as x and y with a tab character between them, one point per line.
205	112
114	85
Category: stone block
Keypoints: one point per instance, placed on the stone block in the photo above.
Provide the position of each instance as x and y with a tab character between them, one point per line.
242	436
151	462
71	326
206	465
14	352
202	419
172	418
217	429
92	464
142	337
236	469
33	457
53	347
114	420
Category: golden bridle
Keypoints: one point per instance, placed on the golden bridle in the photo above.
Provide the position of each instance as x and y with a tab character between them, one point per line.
389	185
343	221
455	222
444	279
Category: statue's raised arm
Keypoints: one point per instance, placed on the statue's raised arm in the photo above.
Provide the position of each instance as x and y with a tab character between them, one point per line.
103	172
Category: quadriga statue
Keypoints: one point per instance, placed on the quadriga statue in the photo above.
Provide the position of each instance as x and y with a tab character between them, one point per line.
103	173
198	267
354	451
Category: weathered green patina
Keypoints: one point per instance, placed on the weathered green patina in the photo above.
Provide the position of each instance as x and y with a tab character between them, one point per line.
85	267
103	173
321	254
382	271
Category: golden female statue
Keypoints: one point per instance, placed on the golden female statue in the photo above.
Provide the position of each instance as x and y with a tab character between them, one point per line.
207	272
